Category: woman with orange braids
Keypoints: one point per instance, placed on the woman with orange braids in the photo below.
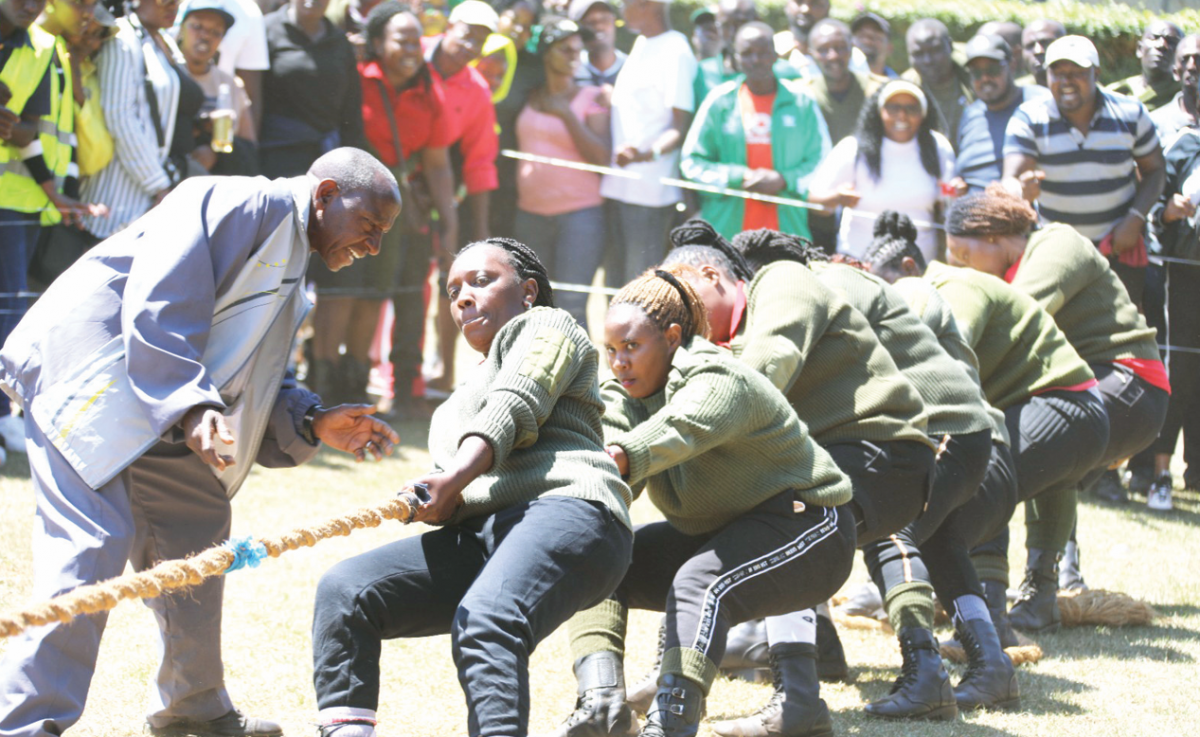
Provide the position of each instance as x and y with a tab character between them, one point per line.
756	522
997	233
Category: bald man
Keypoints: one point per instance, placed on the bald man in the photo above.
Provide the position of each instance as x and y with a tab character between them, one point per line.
1156	85
153	375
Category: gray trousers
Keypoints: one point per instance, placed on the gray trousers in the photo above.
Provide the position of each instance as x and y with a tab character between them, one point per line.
166	505
639	234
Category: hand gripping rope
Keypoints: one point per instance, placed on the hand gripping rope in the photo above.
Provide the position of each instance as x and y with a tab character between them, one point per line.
232	555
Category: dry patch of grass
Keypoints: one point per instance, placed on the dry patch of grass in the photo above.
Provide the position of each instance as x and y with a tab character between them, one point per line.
1130	681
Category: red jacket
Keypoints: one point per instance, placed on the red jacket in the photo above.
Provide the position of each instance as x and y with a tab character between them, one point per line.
419	112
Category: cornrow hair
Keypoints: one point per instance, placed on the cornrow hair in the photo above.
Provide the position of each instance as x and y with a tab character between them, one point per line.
764	246
895	238
698	232
994	211
525	262
667	300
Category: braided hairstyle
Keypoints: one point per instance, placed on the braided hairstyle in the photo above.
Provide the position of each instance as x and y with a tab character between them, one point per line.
895	239
666	300
525	262
697	243
764	246
377	22
995	211
870	135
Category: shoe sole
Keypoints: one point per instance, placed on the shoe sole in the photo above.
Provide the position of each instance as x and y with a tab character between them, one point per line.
947	713
1010	705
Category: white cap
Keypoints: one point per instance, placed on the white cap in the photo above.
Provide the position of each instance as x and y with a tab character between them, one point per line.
1075	49
475	13
903	87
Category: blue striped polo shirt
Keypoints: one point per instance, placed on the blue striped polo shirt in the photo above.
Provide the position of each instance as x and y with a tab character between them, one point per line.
1090	179
980	148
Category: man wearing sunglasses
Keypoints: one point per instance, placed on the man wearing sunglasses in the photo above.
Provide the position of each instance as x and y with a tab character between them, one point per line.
981	130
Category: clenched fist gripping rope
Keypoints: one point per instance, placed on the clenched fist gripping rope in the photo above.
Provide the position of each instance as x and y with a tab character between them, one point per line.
176	575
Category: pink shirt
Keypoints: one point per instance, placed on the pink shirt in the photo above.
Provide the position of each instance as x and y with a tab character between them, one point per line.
554	190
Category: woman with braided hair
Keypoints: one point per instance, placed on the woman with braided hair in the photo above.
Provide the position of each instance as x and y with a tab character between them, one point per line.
997	233
756	517
841	382
533	515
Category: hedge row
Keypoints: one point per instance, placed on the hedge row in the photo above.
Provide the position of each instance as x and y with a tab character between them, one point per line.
1113	27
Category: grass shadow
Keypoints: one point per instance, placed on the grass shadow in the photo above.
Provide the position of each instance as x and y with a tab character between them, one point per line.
1186	502
1152	642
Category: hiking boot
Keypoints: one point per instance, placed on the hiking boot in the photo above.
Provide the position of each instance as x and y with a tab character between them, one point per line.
1070	578
1108	488
795	709
641	695
1036	609
995	594
990	681
922	691
746	654
831	656
1158	498
231	724
677	710
600	710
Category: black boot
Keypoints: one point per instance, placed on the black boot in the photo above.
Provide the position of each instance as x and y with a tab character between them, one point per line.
796	708
990	681
1037	608
831	657
995	593
1070	574
600	710
746	655
923	689
641	695
677	710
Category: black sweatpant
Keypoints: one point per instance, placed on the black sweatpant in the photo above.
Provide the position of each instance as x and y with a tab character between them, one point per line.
1136	411
498	584
772	560
892	483
409	306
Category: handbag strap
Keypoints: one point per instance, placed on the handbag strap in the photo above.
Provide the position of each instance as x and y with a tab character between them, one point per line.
386	96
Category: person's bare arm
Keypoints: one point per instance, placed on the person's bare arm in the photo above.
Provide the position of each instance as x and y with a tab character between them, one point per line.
667	141
1152	176
478	204
435	166
1022	177
252	79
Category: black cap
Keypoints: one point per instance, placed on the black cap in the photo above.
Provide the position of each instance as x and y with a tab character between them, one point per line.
216	6
553	31
987	46
863	18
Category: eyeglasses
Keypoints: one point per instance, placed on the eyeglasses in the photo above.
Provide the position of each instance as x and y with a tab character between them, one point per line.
910	109
994	69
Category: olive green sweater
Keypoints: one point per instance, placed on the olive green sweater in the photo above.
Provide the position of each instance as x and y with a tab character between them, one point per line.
535	399
953	401
825	358
1069	278
716	442
1021	351
929	306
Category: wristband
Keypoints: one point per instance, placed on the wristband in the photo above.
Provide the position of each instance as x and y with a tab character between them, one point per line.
1137	214
306	426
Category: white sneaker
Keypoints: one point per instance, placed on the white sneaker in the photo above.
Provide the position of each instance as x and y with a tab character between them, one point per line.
12	429
1159	496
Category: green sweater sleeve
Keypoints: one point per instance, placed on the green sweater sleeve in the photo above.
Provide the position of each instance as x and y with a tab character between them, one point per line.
621	414
791	311
701	154
537	362
814	145
703	414
1056	274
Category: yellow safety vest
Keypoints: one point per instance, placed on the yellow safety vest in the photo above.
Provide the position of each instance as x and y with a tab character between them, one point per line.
57	130
22	73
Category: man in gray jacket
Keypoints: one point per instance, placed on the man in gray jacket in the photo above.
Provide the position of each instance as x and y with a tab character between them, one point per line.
153	375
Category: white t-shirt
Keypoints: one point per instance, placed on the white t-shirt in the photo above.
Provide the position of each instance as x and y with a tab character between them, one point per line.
245	43
656	78
903	186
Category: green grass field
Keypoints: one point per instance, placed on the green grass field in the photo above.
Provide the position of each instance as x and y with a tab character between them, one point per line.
1127	681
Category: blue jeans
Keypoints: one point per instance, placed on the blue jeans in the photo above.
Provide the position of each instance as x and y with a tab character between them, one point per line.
571	247
18	237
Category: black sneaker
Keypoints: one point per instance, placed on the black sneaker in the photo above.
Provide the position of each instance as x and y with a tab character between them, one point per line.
1108	488
231	724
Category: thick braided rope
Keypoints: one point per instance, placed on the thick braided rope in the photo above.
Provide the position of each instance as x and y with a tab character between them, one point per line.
177	575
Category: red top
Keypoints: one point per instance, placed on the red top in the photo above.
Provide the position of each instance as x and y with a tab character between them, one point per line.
418	111
756	122
470	121
739	313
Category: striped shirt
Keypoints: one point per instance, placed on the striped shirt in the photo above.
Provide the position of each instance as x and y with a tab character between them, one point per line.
136	174
1090	179
981	138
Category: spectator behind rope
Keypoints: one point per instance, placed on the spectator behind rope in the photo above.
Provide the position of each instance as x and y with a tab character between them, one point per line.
561	215
936	71
897	160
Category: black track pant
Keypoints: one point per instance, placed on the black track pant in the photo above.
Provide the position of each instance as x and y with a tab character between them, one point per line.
498	584
1136	411
409	307
771	560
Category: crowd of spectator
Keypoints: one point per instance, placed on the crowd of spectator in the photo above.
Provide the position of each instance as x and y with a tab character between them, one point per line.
105	109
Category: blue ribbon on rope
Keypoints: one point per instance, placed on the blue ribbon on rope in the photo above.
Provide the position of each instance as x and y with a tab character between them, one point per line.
246	552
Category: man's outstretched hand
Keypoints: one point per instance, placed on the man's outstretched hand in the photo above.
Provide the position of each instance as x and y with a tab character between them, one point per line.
203	426
351	428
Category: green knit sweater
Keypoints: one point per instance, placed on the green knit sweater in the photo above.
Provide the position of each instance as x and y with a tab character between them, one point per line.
536	401
1021	351
1069	278
953	402
716	442
825	358
929	306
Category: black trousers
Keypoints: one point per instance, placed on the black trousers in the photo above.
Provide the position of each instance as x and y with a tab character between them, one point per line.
772	560
409	307
1183	330
1136	411
498	584
892	483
